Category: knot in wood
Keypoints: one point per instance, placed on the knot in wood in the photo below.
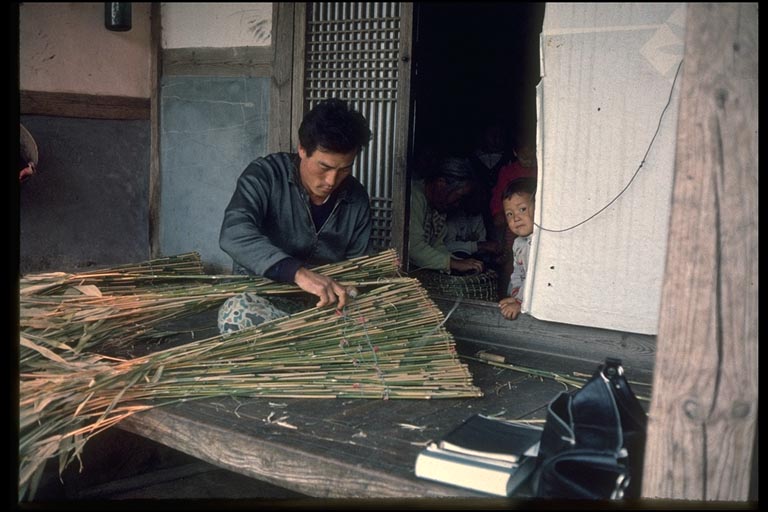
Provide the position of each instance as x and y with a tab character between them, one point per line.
692	410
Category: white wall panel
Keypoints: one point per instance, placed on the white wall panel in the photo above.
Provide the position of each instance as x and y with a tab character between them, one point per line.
607	74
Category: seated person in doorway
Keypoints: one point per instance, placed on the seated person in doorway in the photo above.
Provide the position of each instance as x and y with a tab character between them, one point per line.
292	211
443	188
523	166
518	200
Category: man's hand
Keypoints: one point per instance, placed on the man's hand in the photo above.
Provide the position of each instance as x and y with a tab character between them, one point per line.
324	287
467	265
510	308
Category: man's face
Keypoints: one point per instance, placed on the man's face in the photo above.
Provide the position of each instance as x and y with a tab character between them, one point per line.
324	171
518	211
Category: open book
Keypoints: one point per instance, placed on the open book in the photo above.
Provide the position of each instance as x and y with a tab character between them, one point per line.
484	454
493	438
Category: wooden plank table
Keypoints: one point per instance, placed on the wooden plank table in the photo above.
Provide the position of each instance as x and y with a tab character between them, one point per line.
348	448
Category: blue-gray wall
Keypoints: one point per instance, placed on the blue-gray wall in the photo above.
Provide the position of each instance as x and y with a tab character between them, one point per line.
87	206
211	129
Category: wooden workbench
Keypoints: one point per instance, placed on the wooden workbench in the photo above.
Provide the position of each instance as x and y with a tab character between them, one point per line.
352	448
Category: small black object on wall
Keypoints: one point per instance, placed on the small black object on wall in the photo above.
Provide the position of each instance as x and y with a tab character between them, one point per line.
117	16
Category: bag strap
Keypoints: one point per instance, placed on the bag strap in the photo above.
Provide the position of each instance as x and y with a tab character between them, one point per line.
633	416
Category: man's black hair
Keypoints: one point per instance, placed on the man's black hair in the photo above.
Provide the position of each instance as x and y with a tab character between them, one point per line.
333	125
520	186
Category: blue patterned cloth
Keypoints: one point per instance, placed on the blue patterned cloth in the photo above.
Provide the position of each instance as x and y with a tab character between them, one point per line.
246	310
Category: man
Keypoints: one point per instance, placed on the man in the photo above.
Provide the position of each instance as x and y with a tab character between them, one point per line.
441	191
292	211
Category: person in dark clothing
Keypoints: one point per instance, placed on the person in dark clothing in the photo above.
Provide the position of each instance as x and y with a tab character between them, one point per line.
290	212
492	152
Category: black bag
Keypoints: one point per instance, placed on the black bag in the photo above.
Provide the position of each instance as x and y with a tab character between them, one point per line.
593	441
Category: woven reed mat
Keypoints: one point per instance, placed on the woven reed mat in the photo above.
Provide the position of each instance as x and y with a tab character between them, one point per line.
482	286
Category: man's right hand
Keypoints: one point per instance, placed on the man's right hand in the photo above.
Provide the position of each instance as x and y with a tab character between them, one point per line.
328	290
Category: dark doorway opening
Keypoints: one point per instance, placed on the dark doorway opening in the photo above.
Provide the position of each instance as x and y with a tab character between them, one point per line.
474	62
473	90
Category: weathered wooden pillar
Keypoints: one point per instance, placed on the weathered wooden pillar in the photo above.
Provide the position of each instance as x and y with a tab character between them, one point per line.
704	409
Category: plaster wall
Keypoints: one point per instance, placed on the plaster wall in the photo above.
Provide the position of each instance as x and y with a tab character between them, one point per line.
216	25
64	47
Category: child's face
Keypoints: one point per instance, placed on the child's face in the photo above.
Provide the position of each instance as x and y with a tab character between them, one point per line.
518	210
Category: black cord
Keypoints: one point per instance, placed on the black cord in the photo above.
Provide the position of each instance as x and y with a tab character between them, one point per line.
669	100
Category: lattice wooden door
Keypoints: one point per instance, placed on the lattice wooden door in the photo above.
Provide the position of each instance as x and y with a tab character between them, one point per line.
360	52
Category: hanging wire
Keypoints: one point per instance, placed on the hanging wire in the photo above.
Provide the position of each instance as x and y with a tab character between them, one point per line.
658	128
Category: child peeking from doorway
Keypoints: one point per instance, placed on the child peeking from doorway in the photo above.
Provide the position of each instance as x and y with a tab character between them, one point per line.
518	203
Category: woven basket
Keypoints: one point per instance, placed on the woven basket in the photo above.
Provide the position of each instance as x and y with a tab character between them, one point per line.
482	286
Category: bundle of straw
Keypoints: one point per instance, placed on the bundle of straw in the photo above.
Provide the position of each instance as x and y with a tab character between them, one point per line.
389	343
117	306
110	279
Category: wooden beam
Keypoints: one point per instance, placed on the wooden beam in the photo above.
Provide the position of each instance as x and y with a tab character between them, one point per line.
481	322
282	73
252	61
90	106
704	410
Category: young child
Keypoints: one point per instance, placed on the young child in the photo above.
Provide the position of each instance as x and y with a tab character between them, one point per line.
523	167
518	201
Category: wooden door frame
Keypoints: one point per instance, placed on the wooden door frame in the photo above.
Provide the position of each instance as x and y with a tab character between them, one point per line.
401	181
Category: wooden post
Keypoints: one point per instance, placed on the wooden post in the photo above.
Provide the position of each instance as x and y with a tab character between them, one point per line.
299	61
703	413
279	135
155	77
401	177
